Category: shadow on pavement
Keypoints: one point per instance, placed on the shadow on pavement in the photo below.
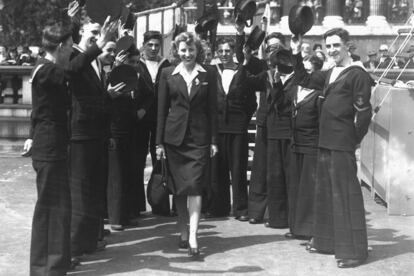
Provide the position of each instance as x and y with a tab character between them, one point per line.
387	243
154	245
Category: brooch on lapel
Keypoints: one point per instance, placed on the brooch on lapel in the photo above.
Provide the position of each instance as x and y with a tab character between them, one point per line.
196	81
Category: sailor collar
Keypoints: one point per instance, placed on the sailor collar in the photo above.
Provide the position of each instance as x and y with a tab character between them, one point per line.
77	47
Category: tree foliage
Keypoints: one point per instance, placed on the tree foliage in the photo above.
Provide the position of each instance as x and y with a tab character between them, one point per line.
22	21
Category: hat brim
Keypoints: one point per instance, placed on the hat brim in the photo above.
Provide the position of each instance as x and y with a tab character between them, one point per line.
127	19
126	74
124	44
301	19
256	38
205	24
281	57
245	10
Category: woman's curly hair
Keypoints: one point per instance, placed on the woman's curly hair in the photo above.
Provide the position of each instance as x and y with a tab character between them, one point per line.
188	38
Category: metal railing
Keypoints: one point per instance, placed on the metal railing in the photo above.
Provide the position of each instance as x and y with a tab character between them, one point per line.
161	19
225	13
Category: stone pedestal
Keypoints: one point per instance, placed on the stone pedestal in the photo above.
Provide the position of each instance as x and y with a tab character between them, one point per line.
26	90
333	21
378	24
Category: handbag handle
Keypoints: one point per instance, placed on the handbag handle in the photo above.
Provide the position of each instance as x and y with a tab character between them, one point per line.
164	170
164	176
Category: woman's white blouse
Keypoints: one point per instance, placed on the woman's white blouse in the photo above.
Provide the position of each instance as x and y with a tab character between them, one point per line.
188	77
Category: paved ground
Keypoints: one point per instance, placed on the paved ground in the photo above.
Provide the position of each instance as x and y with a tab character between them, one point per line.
228	246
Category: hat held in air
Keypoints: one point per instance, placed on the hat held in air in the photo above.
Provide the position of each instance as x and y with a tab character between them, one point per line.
301	19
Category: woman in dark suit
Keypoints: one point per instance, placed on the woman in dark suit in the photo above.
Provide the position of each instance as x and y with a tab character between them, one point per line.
187	131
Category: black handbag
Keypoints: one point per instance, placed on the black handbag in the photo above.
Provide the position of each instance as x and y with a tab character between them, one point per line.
157	189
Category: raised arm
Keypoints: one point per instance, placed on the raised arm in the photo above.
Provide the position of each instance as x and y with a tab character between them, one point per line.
84	59
302	77
240	41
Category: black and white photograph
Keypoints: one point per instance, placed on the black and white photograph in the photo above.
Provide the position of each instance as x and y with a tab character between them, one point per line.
206	137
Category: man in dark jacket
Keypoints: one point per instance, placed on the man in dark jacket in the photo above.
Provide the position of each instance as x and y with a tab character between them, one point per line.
279	131
258	185
149	68
50	246
339	224
279	86
236	105
303	158
89	131
121	169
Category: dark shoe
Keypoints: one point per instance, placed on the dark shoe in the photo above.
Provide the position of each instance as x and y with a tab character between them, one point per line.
346	263
208	215
301	237
242	218
289	235
193	252
312	249
183	244
255	221
133	223
106	232
101	245
267	224
117	227
309	247
134	215
74	262
306	243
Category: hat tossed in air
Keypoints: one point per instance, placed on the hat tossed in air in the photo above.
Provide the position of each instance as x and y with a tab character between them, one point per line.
256	38
206	23
300	19
244	11
127	18
99	10
126	74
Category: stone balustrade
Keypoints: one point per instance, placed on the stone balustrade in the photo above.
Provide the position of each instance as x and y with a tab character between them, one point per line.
15	84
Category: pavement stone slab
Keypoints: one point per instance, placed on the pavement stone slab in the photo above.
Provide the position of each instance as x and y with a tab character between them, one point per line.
228	246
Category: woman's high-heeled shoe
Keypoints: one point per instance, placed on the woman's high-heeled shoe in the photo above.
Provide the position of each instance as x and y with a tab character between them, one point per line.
183	244
193	252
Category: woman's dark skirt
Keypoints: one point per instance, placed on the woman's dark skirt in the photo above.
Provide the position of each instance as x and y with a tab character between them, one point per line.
301	193
188	167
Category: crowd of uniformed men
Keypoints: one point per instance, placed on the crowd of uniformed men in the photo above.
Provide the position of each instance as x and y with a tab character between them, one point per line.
309	123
